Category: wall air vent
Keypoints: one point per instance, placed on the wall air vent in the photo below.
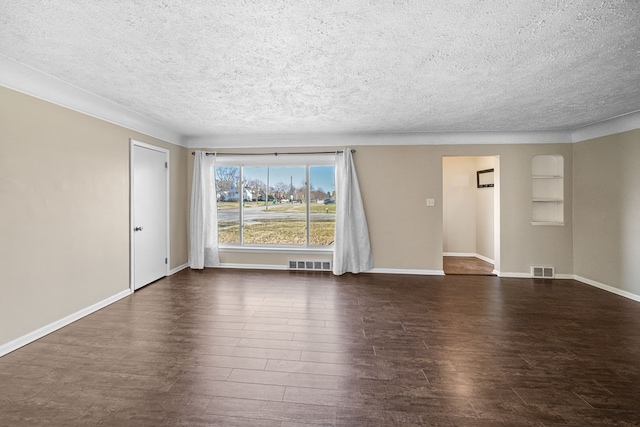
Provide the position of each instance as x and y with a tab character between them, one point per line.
539	272
310	265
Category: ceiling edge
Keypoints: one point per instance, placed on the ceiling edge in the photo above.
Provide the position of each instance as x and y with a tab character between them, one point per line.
622	123
359	139
28	80
22	78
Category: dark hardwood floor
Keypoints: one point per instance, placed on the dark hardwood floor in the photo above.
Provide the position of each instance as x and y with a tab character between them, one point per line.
259	348
466	265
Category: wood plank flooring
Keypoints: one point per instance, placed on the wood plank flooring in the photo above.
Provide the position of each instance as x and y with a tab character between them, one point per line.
466	265
263	348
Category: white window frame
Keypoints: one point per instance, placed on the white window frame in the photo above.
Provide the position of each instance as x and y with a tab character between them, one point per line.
271	161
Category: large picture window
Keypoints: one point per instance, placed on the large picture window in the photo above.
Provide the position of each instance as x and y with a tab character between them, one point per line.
264	202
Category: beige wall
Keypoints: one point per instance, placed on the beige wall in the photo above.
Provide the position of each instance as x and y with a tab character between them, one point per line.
607	210
179	204
485	210
407	235
459	205
64	221
421	168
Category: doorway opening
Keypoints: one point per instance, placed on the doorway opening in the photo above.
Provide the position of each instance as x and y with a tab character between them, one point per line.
471	214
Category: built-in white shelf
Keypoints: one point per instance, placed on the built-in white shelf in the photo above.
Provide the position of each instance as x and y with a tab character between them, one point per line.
547	190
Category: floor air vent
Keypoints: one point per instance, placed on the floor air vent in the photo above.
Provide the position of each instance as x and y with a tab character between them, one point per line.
310	265
542	272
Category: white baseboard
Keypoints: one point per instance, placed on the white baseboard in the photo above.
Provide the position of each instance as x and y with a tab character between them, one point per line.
406	271
178	269
45	330
485	259
432	273
373	270
530	276
253	266
460	254
515	275
584	280
607	288
471	255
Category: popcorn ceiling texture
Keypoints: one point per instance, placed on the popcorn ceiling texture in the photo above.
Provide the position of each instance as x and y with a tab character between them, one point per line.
292	66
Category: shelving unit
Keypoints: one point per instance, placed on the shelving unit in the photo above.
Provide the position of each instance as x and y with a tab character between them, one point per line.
547	190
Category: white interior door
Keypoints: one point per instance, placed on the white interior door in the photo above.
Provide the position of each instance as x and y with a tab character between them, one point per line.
149	217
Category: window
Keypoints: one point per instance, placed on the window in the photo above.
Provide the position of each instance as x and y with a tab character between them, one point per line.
265	201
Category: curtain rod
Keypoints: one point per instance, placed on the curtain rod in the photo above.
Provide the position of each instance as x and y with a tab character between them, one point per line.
273	154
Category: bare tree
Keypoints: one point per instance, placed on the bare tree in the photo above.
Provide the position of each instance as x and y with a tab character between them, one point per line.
256	187
318	194
280	190
300	193
225	176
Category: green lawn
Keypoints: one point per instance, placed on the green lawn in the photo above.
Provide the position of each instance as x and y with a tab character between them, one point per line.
227	206
278	231
315	208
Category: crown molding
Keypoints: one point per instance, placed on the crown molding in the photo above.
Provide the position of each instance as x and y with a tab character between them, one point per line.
622	123
359	139
22	78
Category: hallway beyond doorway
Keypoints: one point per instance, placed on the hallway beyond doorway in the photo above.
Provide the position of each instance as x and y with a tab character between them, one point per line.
471	212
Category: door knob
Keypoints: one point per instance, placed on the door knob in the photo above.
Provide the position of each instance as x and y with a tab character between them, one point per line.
137	229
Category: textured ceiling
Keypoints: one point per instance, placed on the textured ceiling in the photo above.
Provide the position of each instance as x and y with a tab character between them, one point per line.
289	66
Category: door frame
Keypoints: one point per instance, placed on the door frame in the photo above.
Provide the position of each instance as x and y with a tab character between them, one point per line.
132	144
497	191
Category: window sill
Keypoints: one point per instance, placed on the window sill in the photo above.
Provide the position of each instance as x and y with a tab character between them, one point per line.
277	250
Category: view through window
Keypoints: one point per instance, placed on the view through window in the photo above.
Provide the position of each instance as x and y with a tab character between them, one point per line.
292	205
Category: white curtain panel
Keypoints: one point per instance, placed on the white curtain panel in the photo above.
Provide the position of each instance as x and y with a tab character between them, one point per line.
352	249
203	228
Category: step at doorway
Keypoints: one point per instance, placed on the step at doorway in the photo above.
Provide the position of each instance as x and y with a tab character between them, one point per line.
466	266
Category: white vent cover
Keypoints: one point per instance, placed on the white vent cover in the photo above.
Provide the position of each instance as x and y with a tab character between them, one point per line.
310	265
542	272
